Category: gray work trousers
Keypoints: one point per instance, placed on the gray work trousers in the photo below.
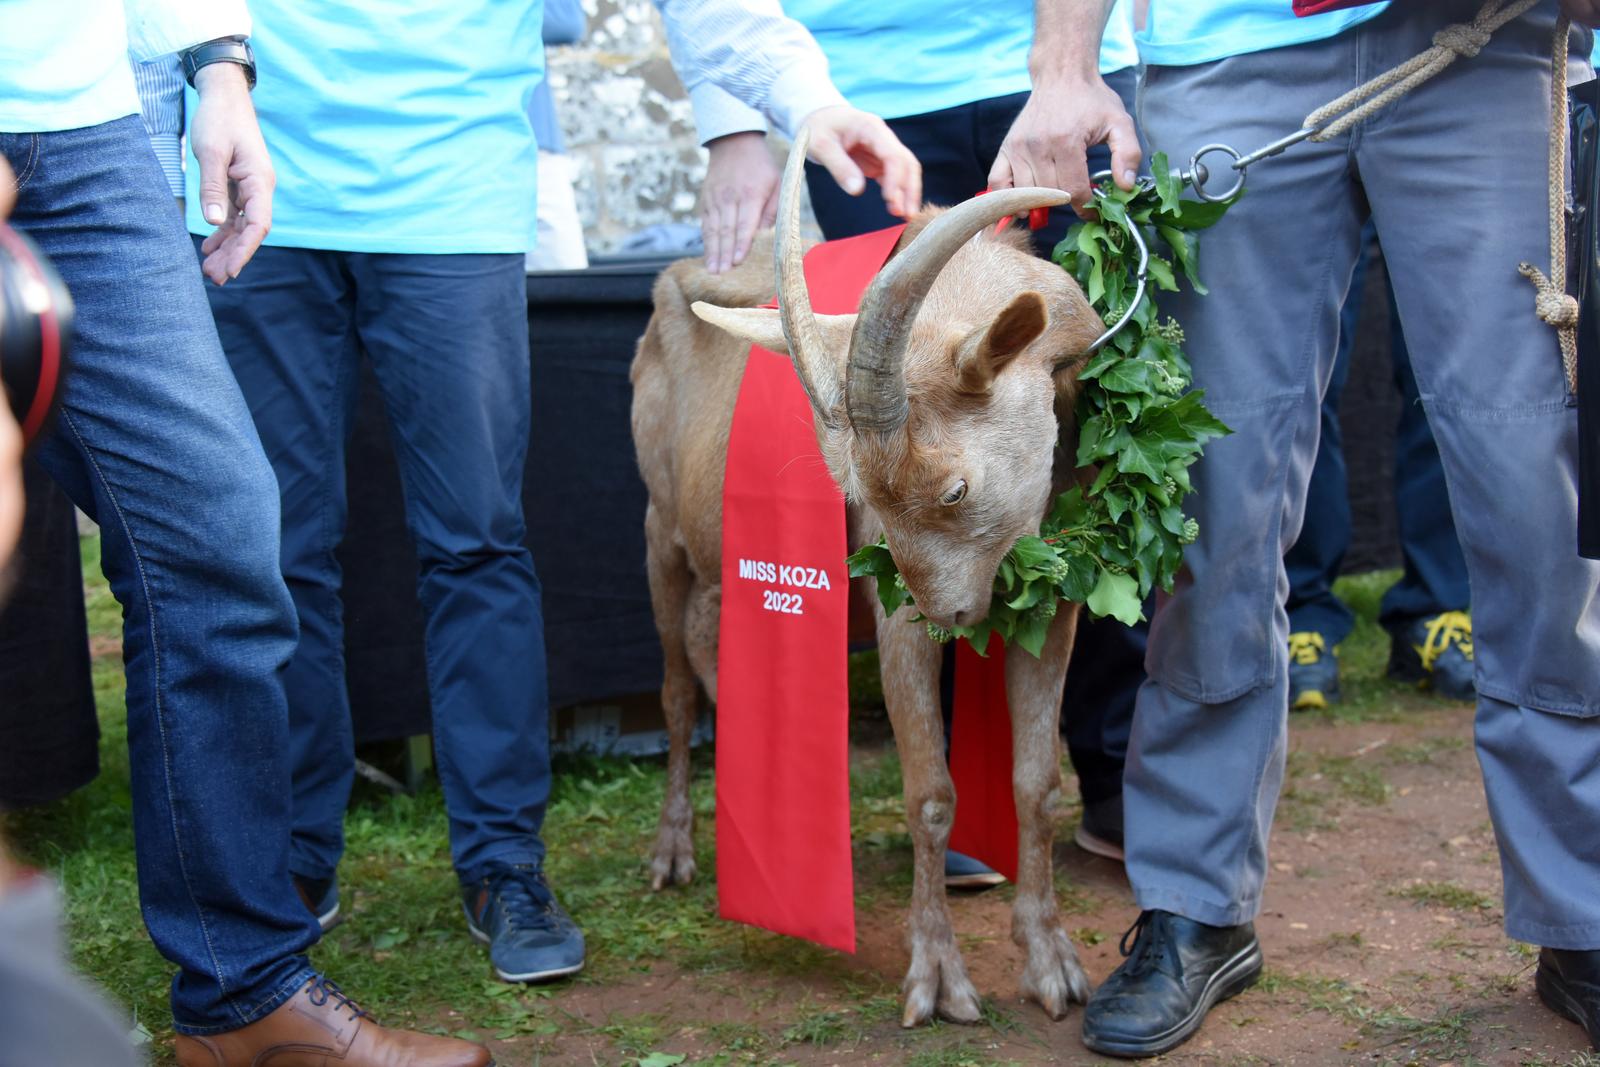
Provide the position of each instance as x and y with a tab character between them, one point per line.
1454	176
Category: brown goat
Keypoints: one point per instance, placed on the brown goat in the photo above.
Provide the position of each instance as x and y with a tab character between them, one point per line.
938	409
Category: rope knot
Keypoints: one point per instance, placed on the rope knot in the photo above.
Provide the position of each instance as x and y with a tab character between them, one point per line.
1464	39
1551	303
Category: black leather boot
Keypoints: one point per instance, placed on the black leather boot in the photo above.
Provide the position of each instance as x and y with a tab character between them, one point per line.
1568	981
1175	971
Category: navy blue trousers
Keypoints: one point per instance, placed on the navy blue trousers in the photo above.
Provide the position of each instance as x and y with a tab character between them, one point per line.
448	339
1435	577
957	146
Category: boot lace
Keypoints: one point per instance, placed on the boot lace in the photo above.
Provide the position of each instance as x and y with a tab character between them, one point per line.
524	896
1145	953
1448	629
319	991
1306	647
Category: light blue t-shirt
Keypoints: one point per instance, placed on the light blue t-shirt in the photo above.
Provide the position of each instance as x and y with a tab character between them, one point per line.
907	57
397	127
1180	33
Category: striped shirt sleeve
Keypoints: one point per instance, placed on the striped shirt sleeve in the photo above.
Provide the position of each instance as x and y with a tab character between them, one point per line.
753	51
160	84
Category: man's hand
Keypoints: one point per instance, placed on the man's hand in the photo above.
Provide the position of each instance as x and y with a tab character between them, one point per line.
1586	12
1049	143
740	196
236	178
855	146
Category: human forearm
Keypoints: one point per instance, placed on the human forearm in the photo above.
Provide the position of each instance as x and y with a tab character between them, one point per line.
1066	41
1070	109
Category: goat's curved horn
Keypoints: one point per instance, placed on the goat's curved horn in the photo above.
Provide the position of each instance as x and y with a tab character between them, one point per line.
813	364
875	383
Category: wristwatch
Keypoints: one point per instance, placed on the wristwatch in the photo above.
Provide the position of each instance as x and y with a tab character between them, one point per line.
222	50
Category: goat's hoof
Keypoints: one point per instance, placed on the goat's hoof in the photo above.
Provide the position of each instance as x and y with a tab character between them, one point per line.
673	863
940	986
1054	977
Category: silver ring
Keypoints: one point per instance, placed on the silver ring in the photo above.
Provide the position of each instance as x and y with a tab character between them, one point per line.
1200	173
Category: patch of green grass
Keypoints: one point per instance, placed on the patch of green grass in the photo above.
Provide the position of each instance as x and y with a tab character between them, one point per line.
1426	751
819	1026
1445	895
963	1053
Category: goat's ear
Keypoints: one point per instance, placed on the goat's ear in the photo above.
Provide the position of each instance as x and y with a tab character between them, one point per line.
761	326
986	351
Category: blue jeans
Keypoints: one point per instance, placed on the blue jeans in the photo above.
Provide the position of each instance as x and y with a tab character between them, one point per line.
155	443
448	339
1435	576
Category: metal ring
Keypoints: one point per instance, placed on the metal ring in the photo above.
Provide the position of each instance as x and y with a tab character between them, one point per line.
1132	229
1200	173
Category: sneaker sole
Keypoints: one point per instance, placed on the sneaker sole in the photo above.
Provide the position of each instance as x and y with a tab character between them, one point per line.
1097	845
974	881
330	918
530	976
1310	700
1231	979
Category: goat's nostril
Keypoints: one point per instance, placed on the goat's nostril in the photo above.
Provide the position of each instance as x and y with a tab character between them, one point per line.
961	617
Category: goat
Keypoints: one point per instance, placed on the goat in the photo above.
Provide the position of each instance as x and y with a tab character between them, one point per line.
938	408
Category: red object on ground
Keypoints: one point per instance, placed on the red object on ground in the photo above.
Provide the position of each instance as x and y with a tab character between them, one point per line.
1302	8
980	760
783	698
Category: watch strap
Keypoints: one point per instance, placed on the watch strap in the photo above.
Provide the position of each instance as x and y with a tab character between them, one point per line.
222	50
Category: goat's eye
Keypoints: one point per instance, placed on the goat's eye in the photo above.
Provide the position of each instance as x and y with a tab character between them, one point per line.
954	494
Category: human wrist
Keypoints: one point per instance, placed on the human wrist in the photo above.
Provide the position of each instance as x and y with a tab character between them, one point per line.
221	79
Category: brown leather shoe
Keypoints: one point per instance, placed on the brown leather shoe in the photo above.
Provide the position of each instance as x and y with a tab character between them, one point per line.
321	1027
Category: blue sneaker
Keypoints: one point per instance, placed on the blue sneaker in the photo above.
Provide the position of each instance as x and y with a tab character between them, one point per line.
321	898
961	871
1313	672
1435	653
530	938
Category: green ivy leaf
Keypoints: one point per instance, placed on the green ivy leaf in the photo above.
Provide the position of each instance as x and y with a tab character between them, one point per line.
1116	595
1168	185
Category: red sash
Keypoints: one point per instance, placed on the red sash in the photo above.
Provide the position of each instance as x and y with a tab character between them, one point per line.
783	780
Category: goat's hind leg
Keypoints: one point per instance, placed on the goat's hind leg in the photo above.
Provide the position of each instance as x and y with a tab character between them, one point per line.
671	581
1052	975
937	979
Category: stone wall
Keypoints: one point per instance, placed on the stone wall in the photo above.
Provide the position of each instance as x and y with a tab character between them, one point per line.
627	124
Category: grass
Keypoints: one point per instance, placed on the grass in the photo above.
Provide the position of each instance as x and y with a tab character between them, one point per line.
405	954
1446	895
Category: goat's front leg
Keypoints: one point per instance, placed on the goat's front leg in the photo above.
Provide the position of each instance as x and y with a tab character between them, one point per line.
1052	976
937	979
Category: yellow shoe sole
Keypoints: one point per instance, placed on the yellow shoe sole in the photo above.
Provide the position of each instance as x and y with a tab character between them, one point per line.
1309	700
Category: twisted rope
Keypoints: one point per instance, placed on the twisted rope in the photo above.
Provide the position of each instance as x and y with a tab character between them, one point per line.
1551	302
1460	39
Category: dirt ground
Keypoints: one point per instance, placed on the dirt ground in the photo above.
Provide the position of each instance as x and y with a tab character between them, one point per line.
1381	933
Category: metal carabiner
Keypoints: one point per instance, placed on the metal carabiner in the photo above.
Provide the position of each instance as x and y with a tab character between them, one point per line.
1198	173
